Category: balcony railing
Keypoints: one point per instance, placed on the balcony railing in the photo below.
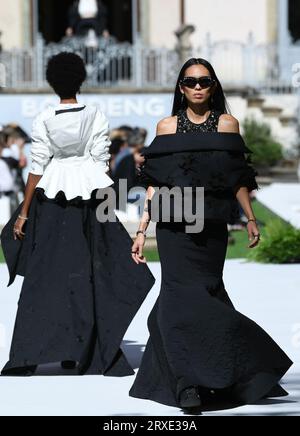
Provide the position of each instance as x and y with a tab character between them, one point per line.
116	66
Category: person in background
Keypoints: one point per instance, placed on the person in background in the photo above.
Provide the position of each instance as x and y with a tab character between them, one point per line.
118	143
16	140
125	131
127	159
7	179
85	15
122	166
127	154
136	142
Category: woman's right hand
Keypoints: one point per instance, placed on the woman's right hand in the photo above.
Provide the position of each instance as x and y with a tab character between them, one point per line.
137	249
18	229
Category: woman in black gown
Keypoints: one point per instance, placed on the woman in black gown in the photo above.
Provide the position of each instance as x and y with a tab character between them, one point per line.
202	351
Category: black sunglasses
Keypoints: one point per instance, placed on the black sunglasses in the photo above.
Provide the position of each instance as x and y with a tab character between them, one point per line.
204	81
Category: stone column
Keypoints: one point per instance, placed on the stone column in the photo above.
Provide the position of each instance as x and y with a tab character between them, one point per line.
135	19
144	20
272	21
284	36
27	22
284	42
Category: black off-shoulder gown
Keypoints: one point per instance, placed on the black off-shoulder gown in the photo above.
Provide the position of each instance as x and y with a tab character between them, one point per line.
81	288
197	337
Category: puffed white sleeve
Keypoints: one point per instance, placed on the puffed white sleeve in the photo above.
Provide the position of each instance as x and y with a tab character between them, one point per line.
41	151
100	147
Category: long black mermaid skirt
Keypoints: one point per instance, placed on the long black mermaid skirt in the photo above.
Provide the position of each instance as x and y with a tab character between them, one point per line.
197	338
81	288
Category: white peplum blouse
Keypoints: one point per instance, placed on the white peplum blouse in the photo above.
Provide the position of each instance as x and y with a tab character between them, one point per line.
70	150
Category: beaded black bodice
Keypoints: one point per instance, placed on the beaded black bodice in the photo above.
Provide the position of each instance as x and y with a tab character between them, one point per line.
185	125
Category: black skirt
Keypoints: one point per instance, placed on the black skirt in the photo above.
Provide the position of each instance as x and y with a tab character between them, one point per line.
81	288
197	338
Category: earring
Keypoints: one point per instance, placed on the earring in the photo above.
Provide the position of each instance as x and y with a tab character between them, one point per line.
182	98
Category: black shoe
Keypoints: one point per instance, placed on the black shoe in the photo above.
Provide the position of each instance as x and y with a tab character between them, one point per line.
190	398
26	371
68	364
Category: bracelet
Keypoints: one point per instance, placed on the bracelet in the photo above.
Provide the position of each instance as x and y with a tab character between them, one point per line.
23	218
254	220
142	232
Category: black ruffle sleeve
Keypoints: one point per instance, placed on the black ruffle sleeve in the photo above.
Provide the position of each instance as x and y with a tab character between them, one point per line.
218	162
241	172
143	179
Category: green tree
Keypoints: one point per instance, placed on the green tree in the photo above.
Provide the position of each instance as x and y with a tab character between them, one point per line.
258	137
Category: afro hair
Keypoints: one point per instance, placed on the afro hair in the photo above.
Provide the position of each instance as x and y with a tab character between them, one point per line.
65	74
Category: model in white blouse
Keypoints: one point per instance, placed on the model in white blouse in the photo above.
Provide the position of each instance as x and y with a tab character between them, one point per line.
81	288
70	150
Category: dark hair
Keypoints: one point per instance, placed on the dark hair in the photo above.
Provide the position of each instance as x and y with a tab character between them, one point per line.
126	129
219	100
3	140
16	132
65	74
137	137
116	145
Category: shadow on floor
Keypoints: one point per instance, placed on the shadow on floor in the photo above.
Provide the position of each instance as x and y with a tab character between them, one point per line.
132	350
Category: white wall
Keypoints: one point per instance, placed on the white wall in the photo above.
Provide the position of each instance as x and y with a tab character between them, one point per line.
230	19
163	21
224	19
11	23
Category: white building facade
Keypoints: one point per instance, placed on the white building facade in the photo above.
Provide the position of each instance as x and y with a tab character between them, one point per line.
253	46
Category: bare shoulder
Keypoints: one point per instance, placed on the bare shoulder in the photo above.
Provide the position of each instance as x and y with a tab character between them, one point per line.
167	126
228	123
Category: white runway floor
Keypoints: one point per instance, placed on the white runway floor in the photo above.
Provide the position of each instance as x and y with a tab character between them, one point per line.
269	294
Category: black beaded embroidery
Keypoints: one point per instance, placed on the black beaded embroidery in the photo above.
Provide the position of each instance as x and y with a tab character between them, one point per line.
185	125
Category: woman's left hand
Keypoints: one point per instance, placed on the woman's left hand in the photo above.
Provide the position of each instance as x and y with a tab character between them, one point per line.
254	235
